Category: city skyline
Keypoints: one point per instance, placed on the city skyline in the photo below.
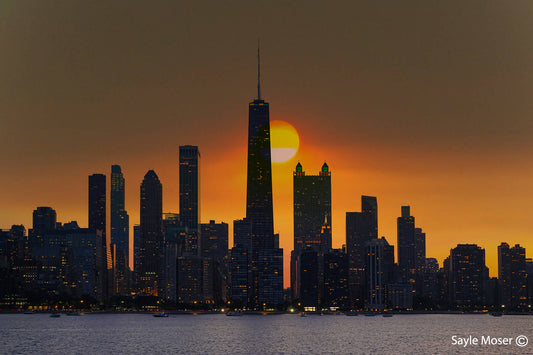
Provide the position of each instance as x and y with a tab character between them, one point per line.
458	161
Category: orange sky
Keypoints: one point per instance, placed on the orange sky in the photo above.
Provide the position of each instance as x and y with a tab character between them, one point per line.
420	103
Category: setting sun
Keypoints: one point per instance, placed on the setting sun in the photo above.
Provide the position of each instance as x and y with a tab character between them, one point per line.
284	141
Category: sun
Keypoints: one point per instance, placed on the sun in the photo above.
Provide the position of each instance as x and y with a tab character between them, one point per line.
284	141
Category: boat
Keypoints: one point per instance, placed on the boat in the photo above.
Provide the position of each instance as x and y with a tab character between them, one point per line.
370	315
496	314
160	315
73	314
234	314
387	315
351	313
29	312
55	315
303	314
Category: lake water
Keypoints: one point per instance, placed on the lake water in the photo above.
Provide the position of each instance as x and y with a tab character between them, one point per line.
256	334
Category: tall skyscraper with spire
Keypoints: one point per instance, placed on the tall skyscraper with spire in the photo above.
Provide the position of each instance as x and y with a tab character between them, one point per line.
259	211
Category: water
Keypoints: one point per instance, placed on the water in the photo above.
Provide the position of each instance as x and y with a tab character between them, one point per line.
256	334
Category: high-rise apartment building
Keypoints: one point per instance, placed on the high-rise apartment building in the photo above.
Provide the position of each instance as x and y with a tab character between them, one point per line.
97	222
407	245
312	228
467	275
119	232
512	276
361	227
151	252
190	194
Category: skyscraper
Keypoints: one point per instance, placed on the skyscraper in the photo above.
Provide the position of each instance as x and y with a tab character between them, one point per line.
97	222
380	271
312	230
214	251
190	194
259	210
312	208
361	227
97	202
44	220
336	279
119	231
512	276
420	250
467	275
151	253
240	263
407	245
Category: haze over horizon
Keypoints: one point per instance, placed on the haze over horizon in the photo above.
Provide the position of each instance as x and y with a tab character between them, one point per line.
426	104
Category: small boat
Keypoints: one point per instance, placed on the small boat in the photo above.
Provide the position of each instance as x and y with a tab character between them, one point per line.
496	314
55	315
370	315
234	314
160	315
73	314
387	315
303	314
351	314
29	312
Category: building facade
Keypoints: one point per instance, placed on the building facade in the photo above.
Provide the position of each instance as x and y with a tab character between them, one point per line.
120	232
151	238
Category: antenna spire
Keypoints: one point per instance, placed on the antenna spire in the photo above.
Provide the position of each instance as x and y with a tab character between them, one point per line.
258	72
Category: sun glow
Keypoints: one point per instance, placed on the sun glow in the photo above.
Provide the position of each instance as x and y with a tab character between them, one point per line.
284	141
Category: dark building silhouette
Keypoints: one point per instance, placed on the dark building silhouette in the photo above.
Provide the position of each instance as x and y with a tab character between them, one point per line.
270	280
336	291
529	281
493	293
136	249
430	284
97	202
214	240
190	263
312	224
242	233
308	279
265	289
420	250
190	194
380	272
119	233
407	258
44	220
467	275
214	251
97	222
151	252
190	279
68	262
174	238
240	263
512	276
361	227
312	208
18	244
